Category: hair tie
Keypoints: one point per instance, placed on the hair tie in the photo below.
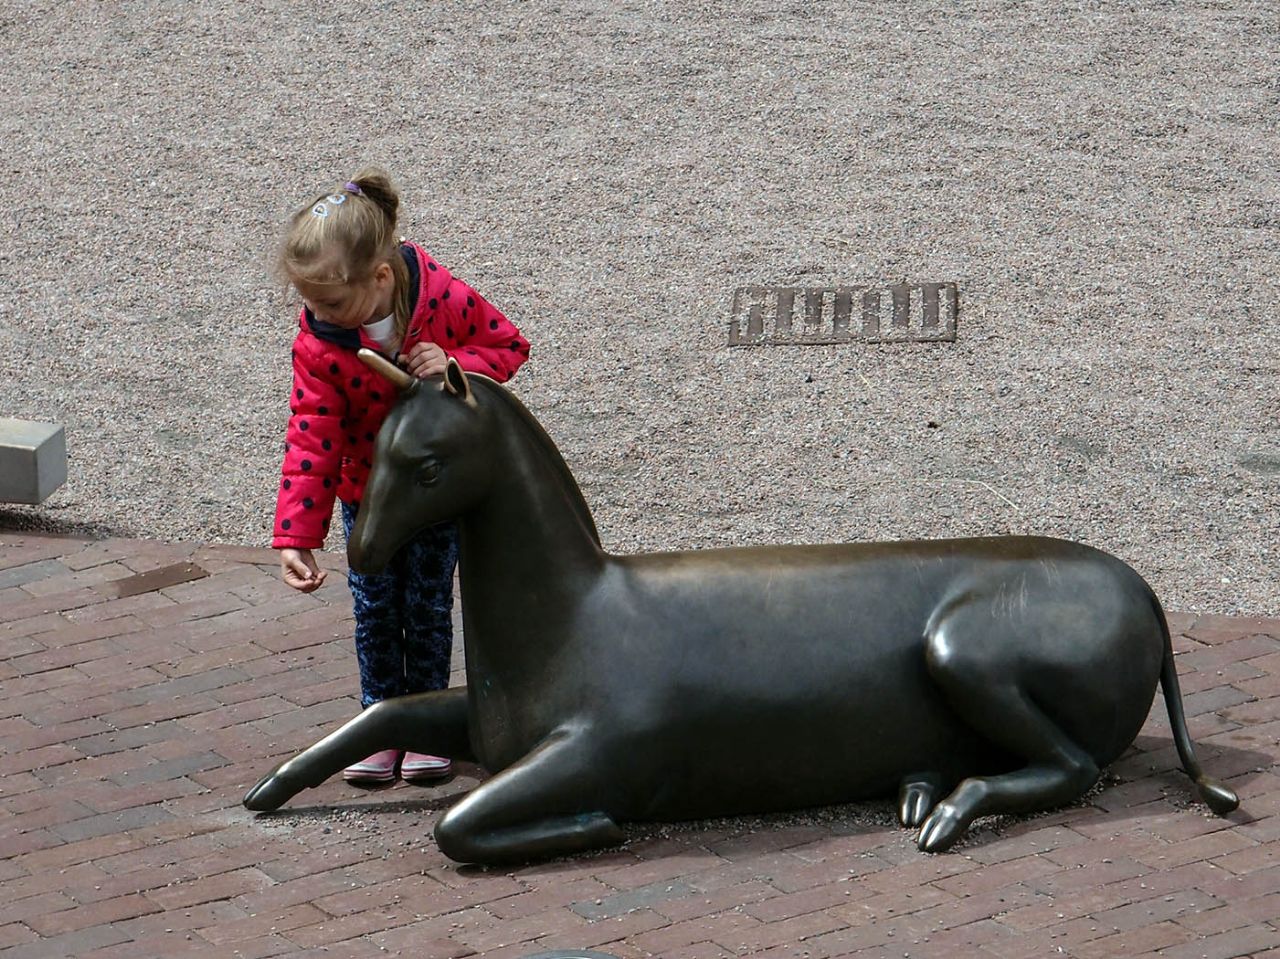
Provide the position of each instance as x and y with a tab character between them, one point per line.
351	186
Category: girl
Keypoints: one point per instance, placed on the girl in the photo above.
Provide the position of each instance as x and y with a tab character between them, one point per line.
360	287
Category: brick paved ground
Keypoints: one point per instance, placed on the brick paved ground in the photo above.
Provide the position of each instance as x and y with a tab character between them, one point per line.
139	703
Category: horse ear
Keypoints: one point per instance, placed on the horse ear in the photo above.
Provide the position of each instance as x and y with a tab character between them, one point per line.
400	379
457	382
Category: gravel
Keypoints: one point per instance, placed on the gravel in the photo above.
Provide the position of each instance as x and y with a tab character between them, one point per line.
1099	179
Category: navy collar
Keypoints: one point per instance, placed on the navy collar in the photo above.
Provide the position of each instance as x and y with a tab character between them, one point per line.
410	258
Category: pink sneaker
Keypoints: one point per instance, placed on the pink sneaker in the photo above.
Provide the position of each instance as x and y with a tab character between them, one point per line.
418	768
378	768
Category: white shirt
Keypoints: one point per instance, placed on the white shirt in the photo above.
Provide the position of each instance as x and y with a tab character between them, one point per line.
383	332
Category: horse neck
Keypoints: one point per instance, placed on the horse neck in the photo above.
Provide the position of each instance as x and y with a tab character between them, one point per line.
533	529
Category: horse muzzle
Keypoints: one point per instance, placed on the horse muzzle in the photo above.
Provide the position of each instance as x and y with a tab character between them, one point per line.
366	550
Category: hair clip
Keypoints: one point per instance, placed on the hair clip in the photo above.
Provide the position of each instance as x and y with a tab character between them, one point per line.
337	199
351	186
320	210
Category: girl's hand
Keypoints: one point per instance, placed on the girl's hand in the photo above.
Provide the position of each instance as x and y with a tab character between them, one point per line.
425	359
299	569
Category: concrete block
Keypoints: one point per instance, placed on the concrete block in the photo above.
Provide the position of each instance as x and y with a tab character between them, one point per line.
33	460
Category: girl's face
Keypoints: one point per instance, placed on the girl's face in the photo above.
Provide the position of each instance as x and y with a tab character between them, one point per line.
348	305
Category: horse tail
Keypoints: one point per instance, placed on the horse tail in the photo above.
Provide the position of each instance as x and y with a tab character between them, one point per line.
1216	796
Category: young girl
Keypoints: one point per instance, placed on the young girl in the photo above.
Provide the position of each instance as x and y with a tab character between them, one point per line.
360	287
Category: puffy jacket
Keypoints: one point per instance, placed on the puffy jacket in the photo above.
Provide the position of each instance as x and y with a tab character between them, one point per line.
338	403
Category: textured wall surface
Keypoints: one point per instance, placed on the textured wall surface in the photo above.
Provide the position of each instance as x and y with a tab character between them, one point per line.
1100	182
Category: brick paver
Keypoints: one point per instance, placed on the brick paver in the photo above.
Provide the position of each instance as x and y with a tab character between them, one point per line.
132	725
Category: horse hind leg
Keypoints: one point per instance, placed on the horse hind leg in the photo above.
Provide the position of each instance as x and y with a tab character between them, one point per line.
433	722
1058	770
1040	785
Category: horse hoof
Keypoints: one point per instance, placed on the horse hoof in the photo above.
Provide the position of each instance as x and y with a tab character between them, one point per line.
941	830
915	802
270	793
1218	797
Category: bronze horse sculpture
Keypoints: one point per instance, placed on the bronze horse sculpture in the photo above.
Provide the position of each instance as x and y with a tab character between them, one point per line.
973	677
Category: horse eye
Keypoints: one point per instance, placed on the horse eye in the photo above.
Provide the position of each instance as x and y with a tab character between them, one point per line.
428	474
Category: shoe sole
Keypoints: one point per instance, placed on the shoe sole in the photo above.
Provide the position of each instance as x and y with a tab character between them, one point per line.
369	778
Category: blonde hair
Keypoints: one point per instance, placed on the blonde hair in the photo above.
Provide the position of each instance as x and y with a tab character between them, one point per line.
342	236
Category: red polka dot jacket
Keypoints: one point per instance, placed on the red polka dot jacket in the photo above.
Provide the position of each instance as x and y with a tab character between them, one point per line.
338	402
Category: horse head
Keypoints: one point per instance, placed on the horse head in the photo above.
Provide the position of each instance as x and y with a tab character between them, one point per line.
426	467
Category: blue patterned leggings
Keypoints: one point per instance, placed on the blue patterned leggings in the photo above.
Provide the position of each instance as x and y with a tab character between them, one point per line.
404	615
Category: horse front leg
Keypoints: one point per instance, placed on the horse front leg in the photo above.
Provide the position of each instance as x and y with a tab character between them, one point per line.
536	808
433	722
